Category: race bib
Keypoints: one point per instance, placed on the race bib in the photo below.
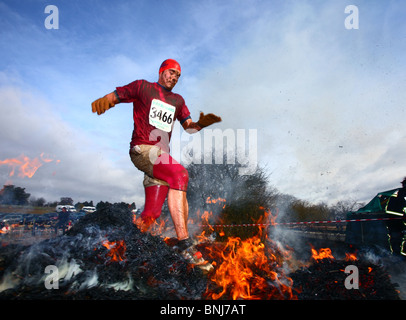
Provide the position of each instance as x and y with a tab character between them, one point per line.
161	115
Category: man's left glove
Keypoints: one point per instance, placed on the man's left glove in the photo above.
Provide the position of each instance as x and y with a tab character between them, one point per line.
207	120
102	105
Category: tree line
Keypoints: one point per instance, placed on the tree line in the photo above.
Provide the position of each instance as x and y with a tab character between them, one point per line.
12	195
248	198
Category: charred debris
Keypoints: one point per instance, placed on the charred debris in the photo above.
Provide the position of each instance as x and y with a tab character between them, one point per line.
104	256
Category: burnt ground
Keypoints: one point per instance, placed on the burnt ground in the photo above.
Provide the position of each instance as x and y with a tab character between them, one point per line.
381	275
325	280
148	269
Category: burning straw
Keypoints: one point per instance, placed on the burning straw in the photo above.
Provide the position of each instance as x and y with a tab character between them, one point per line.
106	256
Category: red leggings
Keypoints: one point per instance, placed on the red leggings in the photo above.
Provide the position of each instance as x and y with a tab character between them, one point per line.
154	200
169	170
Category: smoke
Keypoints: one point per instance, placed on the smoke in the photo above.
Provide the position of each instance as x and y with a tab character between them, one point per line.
321	97
78	265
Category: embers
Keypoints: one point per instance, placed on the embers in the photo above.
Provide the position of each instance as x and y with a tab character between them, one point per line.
113	259
323	253
116	251
116	261
326	278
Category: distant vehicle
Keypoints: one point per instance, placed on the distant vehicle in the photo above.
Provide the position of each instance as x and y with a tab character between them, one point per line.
51	215
76	216
42	218
88	209
12	218
68	208
28	218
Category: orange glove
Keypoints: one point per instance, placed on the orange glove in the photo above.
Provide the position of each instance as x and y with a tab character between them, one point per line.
102	105
207	120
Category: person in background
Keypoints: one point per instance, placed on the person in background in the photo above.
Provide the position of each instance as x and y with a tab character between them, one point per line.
396	228
63	221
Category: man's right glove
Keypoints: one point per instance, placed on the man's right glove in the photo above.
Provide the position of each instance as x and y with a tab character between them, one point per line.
207	120
101	105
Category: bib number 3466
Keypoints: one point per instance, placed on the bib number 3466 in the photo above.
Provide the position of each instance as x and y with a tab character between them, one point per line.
161	115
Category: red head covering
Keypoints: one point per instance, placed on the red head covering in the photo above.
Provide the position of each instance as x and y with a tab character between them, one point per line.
169	64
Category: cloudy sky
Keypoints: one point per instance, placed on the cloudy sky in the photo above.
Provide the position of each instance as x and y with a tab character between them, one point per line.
327	103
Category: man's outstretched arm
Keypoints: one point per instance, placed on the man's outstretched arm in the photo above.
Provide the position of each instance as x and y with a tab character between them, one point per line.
103	104
204	121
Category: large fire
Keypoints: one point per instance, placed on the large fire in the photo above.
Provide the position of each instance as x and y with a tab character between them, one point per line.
249	269
243	269
25	166
253	268
141	266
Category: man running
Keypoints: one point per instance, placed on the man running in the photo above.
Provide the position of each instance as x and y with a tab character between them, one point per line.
155	109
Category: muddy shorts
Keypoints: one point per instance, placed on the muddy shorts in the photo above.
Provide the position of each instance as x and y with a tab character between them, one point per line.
143	157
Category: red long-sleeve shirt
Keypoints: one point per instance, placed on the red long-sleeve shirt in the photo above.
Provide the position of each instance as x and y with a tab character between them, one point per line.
155	110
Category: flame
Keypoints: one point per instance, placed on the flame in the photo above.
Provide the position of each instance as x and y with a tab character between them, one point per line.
153	226
350	257
205	219
243	269
248	269
116	250
210	200
25	166
268	216
219	200
323	253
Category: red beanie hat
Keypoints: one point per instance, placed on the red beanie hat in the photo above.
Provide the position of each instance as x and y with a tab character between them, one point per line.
169	64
